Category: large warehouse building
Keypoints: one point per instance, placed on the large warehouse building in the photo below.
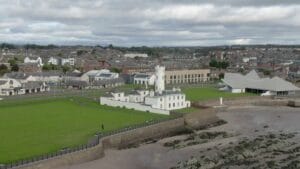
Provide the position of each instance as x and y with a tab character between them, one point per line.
251	82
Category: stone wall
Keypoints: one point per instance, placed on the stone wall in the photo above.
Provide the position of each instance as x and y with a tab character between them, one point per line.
198	120
150	132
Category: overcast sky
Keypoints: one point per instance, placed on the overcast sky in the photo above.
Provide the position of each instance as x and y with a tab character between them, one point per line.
150	22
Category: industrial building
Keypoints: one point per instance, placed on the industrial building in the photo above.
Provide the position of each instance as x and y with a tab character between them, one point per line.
251	82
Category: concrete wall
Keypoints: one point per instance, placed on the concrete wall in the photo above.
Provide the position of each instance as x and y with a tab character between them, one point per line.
234	101
130	105
68	159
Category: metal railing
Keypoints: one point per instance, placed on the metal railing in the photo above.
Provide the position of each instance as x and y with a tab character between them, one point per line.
91	143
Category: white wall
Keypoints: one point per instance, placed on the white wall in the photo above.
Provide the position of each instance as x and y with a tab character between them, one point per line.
129	105
237	91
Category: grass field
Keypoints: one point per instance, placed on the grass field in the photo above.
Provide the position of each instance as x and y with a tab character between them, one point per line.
34	127
37	127
209	93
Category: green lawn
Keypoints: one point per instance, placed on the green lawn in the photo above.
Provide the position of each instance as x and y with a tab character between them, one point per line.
36	127
209	93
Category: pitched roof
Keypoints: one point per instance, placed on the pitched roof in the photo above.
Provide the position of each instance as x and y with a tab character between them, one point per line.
253	81
3	82
252	74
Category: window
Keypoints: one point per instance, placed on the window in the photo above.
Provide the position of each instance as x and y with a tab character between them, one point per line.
173	104
169	105
177	97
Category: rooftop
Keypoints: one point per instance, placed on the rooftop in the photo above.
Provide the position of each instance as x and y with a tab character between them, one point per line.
253	81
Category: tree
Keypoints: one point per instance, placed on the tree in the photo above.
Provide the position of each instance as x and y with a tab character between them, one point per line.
66	68
49	67
116	70
221	76
213	63
13	64
15	68
3	69
220	65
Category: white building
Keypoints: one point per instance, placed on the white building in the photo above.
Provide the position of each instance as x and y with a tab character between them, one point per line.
134	55
68	61
53	61
9	87
37	60
61	61
144	79
158	101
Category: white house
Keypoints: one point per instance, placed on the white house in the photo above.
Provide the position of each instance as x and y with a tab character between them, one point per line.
160	100
143	79
68	61
9	87
37	60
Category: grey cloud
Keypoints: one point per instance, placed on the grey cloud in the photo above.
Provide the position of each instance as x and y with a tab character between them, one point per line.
154	23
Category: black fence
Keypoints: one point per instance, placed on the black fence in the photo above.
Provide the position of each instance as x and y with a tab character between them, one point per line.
94	141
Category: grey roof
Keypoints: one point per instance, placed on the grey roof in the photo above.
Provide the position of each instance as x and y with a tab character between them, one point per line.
253	81
108	81
74	74
141	76
3	82
76	83
16	75
49	73
252	75
105	75
32	85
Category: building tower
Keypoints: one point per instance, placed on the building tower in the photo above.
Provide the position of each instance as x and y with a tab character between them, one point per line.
159	79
